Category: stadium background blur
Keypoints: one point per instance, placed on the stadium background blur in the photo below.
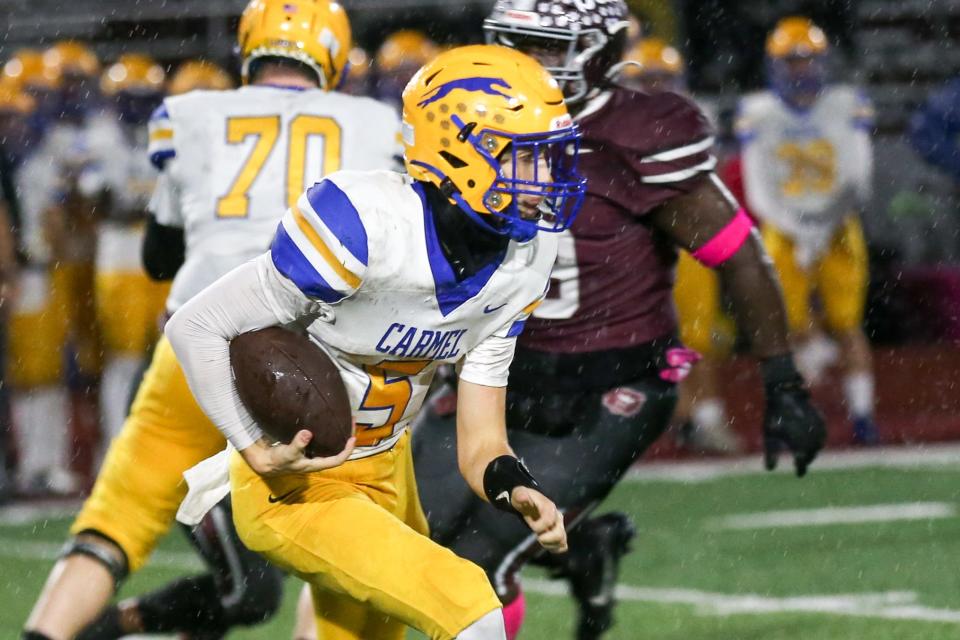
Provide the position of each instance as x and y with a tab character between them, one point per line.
903	54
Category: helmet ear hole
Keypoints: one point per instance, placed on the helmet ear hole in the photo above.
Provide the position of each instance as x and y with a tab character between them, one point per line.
453	160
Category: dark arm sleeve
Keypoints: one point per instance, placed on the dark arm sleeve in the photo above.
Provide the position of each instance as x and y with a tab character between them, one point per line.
163	250
8	193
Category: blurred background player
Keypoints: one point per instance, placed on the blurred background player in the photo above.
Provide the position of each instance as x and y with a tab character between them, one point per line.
15	108
37	339
397	59
807	165
700	416
593	382
76	144
198	74
128	302
230	164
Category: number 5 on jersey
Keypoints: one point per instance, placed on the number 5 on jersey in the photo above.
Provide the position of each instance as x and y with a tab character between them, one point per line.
266	130
389	390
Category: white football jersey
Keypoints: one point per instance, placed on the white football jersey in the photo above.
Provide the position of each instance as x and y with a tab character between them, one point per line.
233	161
130	178
806	170
357	261
36	184
69	153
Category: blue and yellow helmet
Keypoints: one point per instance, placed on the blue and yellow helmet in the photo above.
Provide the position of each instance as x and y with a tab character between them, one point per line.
796	58
470	105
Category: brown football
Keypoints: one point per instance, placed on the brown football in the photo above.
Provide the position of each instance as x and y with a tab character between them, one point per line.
287	384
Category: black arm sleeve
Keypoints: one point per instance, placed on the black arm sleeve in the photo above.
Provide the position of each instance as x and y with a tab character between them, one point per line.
163	250
8	194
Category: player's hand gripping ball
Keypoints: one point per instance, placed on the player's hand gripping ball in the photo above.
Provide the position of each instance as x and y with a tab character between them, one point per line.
288	383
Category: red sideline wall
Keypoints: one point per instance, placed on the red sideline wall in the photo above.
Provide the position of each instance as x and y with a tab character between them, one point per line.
918	399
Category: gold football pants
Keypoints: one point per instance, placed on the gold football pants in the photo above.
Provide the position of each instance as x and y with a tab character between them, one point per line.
140	485
838	277
358	536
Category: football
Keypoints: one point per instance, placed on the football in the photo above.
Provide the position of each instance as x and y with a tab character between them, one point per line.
288	383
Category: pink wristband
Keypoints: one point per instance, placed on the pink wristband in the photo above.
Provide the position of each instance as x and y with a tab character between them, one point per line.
720	247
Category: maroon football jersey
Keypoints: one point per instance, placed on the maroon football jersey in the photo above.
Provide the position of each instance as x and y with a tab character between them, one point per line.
612	284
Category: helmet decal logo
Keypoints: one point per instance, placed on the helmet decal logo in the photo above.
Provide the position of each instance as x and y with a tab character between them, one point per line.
484	85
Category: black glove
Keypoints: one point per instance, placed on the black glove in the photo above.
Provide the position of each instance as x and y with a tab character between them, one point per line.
790	421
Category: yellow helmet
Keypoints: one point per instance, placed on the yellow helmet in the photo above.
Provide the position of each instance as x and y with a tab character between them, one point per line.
26	68
198	74
69	56
405	47
468	105
653	55
796	36
313	32
133	73
13	99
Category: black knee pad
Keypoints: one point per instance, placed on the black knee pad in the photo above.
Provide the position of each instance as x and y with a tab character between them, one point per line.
249	588
258	597
94	544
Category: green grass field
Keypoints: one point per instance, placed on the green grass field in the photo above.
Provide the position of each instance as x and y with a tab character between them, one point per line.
693	575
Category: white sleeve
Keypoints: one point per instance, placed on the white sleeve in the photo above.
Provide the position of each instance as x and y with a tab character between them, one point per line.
251	297
757	182
863	166
165	201
488	363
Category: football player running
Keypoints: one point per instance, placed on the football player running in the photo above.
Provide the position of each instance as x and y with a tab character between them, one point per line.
807	165
393	275
230	162
593	383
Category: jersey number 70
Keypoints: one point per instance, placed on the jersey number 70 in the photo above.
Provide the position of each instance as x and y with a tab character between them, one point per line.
266	129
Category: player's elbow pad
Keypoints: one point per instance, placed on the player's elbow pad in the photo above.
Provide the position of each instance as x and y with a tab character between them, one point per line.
163	250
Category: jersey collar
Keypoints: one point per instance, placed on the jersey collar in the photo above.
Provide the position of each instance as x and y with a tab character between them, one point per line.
450	294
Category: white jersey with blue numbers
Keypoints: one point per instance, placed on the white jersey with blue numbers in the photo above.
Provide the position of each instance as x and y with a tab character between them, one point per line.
233	161
806	170
357	261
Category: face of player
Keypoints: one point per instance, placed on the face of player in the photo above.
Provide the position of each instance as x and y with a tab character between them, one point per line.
76	94
48	101
136	107
801	78
553	54
15	132
526	169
